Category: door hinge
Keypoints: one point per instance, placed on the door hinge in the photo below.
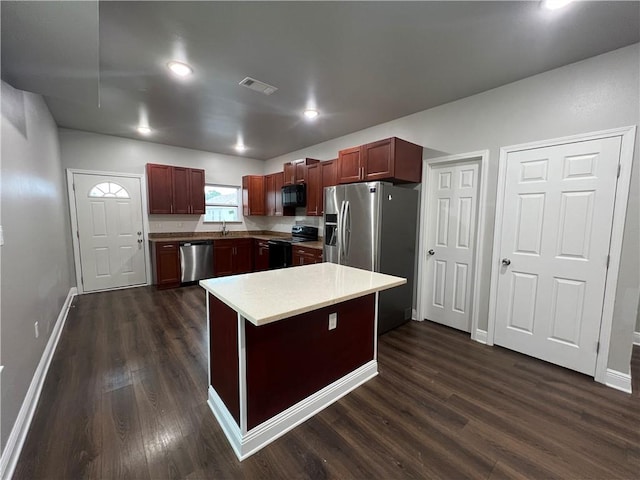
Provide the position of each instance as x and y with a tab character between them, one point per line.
78	234
619	168
598	347
608	260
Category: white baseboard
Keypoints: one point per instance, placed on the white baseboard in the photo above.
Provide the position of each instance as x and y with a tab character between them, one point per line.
618	380
18	434
265	433
636	338
481	336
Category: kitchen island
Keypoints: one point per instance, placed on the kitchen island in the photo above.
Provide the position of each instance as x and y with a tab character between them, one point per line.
284	344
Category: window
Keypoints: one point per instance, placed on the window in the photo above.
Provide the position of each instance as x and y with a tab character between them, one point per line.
221	203
108	189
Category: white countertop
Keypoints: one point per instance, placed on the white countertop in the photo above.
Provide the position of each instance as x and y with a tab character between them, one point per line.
265	297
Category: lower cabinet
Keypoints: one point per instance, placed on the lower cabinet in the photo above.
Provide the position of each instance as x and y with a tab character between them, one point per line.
305	255
167	264
261	256
232	256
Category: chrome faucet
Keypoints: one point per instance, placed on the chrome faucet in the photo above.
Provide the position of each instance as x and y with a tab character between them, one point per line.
225	232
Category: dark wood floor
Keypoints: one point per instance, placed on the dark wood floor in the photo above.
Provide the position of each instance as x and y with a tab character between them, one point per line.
126	398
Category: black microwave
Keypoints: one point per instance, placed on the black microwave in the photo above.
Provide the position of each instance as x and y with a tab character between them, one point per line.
294	195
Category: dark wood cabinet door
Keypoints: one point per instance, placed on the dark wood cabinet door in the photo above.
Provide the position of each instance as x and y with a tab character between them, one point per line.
289	173
160	188
378	160
196	189
305	255
301	171
253	196
392	159
328	177
314	187
223	257
167	260
243	256
349	165
270	194
261	256
181	190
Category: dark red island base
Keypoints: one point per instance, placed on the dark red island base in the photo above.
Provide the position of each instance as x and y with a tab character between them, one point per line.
267	378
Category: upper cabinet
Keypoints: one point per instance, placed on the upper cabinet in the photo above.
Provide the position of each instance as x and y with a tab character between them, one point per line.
296	171
314	187
392	159
329	178
175	190
319	176
273	195
253	195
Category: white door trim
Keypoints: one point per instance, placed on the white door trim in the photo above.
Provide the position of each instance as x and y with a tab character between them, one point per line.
74	219
628	135
482	156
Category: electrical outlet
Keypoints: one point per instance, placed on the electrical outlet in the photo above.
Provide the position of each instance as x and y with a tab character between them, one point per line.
35	326
333	321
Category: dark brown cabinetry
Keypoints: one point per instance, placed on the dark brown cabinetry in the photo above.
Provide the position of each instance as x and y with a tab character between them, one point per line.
167	264
253	195
260	255
305	255
296	171
314	186
232	256
273	195
160	188
319	176
329	178
175	190
392	159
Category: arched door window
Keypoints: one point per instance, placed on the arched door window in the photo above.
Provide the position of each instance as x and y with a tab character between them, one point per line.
108	190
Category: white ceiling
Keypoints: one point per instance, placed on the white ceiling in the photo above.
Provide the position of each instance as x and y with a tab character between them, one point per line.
102	65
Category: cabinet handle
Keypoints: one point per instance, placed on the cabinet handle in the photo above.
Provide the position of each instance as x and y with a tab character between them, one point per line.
167	246
171	208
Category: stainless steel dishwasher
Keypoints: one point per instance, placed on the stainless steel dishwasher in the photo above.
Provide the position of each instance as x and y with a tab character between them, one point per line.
196	260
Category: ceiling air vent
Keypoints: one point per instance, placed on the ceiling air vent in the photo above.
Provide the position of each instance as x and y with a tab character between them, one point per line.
258	86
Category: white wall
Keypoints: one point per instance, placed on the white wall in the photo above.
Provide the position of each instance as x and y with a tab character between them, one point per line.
92	151
37	263
595	94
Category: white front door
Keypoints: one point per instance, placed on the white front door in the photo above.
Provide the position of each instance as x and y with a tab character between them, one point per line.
110	233
556	228
451	235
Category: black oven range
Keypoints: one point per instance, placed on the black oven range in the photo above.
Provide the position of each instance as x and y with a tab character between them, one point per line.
280	248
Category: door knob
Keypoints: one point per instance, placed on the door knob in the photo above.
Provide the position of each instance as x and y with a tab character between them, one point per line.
506	261
431	252
139	233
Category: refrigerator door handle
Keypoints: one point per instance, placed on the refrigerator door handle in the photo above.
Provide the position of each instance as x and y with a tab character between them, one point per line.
341	233
347	229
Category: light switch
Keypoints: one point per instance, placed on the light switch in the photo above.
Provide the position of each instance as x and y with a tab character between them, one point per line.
333	321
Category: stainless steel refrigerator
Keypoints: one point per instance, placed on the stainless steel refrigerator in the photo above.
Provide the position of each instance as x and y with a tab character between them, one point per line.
373	226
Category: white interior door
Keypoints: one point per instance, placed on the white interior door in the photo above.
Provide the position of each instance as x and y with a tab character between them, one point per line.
110	231
554	244
452	204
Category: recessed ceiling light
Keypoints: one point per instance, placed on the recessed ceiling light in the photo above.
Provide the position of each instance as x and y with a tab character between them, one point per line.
180	69
555	4
240	147
144	130
311	114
